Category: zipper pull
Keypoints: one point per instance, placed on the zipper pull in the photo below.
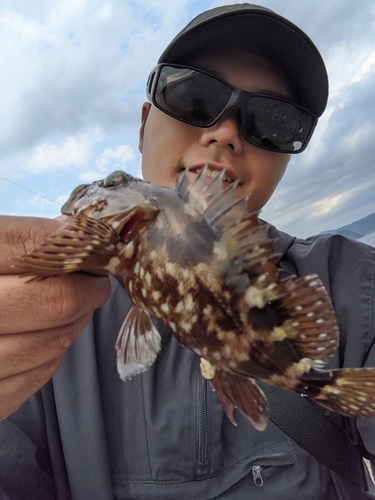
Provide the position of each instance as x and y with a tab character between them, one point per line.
257	476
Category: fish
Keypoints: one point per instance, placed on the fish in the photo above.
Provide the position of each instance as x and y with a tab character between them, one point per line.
199	261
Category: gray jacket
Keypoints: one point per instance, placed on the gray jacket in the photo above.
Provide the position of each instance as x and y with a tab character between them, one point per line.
163	434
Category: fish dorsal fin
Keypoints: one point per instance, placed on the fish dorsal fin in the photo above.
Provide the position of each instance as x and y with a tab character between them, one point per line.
138	343
240	234
219	207
312	322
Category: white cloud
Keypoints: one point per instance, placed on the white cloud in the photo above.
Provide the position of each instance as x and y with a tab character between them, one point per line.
366	68
73	151
108	161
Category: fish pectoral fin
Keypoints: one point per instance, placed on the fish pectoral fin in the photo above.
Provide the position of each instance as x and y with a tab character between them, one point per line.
349	391
238	391
138	343
82	243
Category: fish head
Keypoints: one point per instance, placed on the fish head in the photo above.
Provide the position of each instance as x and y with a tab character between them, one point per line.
120	200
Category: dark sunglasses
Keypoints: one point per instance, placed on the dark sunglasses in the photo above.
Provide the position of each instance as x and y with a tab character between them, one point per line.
196	97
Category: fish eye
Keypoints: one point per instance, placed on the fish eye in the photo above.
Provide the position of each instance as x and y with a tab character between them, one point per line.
117	178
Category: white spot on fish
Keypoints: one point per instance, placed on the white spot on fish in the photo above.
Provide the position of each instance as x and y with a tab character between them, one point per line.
136	268
112	264
148	278
156	295
129	250
144	292
165	308
207	311
254	297
189	302
179	307
354	407
186	326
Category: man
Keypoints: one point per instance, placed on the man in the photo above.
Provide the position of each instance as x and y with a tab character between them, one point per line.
164	434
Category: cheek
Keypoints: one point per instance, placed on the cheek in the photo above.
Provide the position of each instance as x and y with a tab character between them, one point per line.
265	178
162	148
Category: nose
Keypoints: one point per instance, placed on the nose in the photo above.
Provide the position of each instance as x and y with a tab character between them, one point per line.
226	133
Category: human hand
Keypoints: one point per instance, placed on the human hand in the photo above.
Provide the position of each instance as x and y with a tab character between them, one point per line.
40	319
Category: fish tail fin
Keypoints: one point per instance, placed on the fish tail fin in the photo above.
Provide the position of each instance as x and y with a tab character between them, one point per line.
349	391
238	391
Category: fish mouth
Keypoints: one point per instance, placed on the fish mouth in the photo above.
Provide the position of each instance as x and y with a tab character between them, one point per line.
212	171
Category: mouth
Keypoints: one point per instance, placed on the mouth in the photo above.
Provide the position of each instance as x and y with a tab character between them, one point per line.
213	171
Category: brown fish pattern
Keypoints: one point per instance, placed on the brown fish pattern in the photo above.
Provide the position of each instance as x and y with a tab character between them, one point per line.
195	258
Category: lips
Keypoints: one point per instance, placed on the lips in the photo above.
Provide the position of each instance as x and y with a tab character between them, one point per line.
213	170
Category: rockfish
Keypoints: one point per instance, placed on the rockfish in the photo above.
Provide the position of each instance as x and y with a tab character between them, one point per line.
195	258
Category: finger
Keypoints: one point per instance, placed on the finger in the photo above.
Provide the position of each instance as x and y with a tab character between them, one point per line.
19	235
25	351
16	389
51	302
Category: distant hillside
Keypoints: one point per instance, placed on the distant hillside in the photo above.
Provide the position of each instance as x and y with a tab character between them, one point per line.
357	229
369	239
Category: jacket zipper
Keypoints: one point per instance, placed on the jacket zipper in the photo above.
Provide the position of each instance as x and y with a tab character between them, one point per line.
202	455
257	476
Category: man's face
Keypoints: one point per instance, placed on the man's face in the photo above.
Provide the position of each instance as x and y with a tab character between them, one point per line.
168	145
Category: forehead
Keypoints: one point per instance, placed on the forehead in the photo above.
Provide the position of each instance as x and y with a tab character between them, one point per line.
245	70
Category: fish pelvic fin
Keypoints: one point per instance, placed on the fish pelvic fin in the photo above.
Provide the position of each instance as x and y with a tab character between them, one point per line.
83	243
137	345
238	391
349	391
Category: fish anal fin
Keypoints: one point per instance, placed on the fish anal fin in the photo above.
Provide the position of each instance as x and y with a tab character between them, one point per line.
82	243
138	343
349	391
238	391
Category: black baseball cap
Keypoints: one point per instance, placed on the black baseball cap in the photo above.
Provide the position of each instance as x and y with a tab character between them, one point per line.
262	31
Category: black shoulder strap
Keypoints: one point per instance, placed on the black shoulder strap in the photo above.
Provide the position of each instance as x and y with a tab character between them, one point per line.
301	420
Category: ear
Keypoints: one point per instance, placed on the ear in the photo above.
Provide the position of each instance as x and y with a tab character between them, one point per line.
145	109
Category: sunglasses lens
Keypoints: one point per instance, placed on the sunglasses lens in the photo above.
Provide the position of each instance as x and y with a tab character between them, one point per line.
277	125
190	96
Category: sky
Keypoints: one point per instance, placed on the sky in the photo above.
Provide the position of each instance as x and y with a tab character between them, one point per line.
72	84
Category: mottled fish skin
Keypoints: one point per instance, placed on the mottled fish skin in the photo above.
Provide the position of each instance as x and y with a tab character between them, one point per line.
197	260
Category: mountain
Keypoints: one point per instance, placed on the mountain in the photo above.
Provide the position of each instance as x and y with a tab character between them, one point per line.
369	239
362	229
